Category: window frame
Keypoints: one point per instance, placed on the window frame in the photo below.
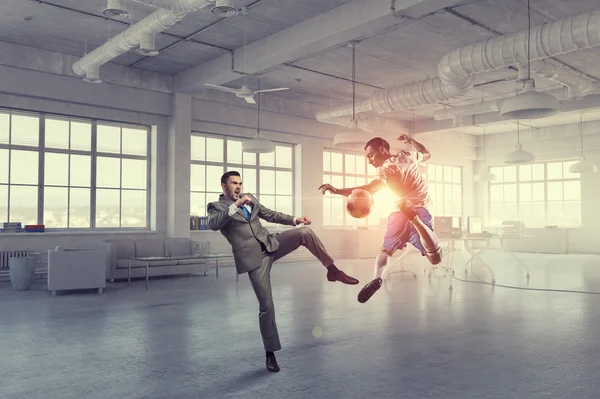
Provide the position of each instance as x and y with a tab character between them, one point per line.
445	183
41	149
227	165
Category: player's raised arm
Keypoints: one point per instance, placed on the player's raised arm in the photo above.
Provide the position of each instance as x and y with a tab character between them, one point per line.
373	187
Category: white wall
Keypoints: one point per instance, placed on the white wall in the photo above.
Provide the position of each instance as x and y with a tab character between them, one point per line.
37	80
548	144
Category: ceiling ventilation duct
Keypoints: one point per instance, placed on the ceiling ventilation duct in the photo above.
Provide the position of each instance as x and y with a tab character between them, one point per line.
147	46
224	9
457	68
116	9
132	37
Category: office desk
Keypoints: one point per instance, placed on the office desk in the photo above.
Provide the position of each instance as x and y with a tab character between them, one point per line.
448	257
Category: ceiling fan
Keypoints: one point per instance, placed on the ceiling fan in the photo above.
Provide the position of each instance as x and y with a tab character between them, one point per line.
245	92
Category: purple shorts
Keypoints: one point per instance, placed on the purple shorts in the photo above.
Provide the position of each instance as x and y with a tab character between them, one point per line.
400	231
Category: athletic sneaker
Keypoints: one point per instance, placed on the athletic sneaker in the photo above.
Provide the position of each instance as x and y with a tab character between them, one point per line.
369	289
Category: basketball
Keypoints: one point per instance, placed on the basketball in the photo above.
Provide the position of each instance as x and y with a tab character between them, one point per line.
359	204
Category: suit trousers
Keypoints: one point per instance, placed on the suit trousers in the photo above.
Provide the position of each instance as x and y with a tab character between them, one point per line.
260	278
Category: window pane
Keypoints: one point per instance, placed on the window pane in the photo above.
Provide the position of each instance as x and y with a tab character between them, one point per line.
56	170
3	203
23	204
499	172
249	159
214	149
525	172
360	181
326	208
537	171
213	178
439	173
572	213
56	207
268	201
283	156
448	174
284	204
3	165
538	192
267	159
24	167
554	170
337	162
525	193
572	190
198	148
81	136
284	182
538	210
326	160
57	133
510	173
81	170
457	196
555	191
510	193
134	174
108	139
525	211
448	192
198	204
496	193
249	181
337	181
361	163
234	152
555	210
267	182
108	172
133	208
25	130
510	211
350	181
79	208
135	141
338	209
107	208
197	179
456	177
350	164
4	128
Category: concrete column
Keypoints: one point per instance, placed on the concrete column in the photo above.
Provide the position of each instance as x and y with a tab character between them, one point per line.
178	166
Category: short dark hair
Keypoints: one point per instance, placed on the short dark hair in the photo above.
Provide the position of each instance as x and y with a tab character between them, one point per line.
378	142
225	177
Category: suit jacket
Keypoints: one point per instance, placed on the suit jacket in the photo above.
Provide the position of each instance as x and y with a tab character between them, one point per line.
246	235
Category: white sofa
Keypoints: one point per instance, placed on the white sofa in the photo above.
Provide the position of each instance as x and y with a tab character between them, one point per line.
123	249
75	269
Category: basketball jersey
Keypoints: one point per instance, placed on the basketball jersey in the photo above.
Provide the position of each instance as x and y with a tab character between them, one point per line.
402	175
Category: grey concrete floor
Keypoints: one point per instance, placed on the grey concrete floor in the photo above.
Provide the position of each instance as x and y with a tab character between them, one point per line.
197	337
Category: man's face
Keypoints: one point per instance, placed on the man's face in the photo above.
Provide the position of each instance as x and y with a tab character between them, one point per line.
233	187
376	155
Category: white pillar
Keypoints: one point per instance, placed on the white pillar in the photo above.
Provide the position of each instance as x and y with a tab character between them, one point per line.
178	166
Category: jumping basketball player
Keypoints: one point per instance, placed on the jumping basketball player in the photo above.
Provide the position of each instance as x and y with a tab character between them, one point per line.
411	223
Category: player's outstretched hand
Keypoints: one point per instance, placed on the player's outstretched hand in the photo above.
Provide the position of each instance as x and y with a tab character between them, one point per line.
303	220
328	187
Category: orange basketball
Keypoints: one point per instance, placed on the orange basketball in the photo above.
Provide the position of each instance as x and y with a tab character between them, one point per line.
360	204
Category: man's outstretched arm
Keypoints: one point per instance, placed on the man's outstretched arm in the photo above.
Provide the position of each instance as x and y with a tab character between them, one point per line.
418	147
373	187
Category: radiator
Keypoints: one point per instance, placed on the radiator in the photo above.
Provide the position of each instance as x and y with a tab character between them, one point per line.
6	255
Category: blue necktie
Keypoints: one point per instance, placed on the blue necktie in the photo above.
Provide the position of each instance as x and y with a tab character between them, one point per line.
246	212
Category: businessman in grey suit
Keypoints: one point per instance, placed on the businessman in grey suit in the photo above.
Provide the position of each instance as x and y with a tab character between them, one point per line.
238	216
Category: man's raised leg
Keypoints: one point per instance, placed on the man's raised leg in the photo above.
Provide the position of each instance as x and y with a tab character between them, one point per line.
428	239
291	239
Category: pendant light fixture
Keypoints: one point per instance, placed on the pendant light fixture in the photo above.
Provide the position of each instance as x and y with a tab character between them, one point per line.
519	155
484	174
583	166
529	104
353	138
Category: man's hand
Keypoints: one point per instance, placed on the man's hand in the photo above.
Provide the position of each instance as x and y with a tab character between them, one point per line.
328	187
246	199
405	138
303	220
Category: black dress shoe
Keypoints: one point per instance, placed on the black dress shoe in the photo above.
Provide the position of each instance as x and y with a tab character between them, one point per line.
369	289
272	364
342	277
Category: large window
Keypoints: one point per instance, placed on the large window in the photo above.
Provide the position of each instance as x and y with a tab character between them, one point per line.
540	194
270	177
67	172
445	189
344	169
